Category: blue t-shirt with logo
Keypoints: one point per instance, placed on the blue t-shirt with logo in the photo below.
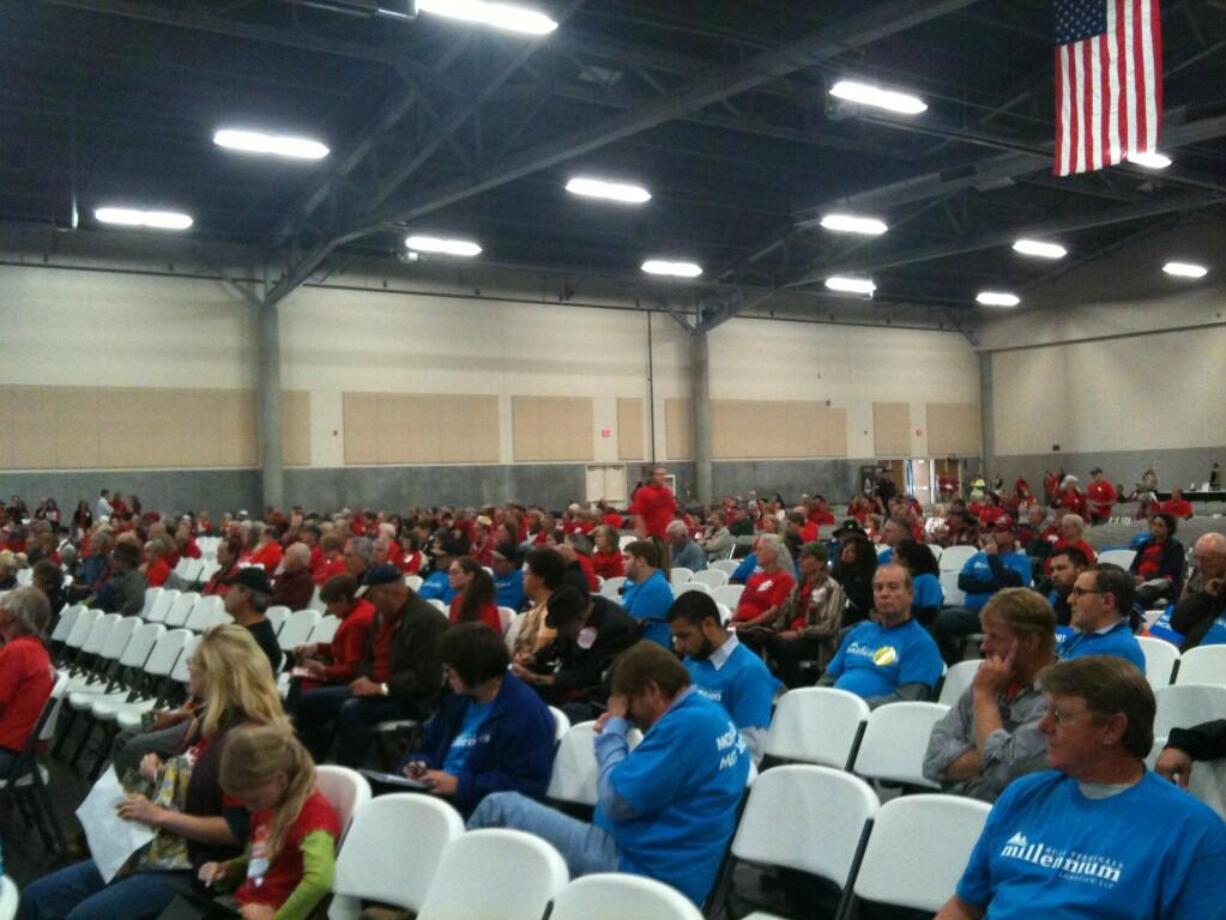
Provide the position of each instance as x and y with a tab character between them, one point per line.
978	567
510	589
650	600
875	661
743	685
1151	852
437	586
1118	641
926	591
462	744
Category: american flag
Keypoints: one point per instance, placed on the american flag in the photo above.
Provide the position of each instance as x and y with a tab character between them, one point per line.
1108	82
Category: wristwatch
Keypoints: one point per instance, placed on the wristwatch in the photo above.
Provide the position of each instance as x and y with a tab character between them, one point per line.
383	689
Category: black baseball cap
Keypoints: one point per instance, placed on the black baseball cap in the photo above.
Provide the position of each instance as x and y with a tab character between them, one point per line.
379	574
253	578
510	552
849	524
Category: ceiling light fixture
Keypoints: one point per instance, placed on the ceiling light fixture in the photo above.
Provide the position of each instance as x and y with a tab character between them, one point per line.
1150	160
997	299
1185	269
846	285
1040	249
499	15
672	269
137	217
849	223
278	145
610	191
877	97
434	244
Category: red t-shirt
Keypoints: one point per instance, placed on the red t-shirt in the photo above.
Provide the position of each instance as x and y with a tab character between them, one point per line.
157	573
655	505
1179	509
820	516
191	550
1102	496
589	571
808	533
328	568
268	556
613	519
349	643
26	679
1151	560
489	613
608	565
381	661
763	591
284	873
410	564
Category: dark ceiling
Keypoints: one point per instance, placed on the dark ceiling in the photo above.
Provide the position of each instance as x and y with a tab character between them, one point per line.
719	107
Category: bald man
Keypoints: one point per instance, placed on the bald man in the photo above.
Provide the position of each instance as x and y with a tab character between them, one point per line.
293	586
1201	613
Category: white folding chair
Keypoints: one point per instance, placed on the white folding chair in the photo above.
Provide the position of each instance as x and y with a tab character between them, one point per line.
612	587
113	637
151	596
712	577
80	629
180	568
727	566
679	575
954	596
895	741
954	558
819	725
205	613
181	610
520	874
699	586
957	679
346	791
195	569
8	899
277	616
413	581
812	819
28	774
126	712
725	613
1185	705
918	850
617	896
68	619
161	605
316	603
297	629
574	765
1121	557
88	659
392	853
561	724
325	629
1205	664
506	617
1161	659
728	595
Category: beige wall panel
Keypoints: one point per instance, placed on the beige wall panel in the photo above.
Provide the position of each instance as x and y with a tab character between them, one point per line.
630	429
199	411
237	428
8	396
484	429
776	429
525	427
953	429
454	424
361	416
892	429
76	428
33	428
119	427
581	423
678	429
552	427
831	432
296	428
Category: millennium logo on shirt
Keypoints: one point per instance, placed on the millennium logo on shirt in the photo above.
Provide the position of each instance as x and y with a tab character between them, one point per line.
883	656
1070	865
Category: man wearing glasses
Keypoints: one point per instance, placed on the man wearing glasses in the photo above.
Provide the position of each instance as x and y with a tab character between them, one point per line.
1101	607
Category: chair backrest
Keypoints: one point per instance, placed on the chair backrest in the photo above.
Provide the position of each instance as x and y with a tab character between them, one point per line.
437	604
316	602
181	610
819	725
937	551
612	586
1185	705
712	578
8	898
68	619
725	613
204	614
506	616
99	632
297	629
151	596
195	569
413	581
161	605
954	596
728	594
897	871
277	617
1205	664
561	724
700	586
25	577
1121	557
617	896
345	789
119	637
519	875
166	652
954	558
679	575
727	566
211	567
392	852
1160	660
957	679
141	646
180	673
574	773
895	741
325	629
180	568
82	627
807	818
55	702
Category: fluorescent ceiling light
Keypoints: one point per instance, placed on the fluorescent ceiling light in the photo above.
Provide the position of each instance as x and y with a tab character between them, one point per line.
851	285
136	217
279	145
675	269
1151	160
612	191
849	223
867	94
1040	249
499	15
997	299
444	247
1185	269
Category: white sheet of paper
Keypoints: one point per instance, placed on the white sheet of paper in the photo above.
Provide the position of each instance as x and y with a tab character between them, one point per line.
112	840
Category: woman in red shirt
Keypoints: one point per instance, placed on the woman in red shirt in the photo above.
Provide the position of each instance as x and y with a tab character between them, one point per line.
156	568
475	598
607	560
768	589
336	662
267	550
411	557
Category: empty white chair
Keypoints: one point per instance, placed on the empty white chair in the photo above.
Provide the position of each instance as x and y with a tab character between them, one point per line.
957	679
506	617
151	596
819	725
612	587
679	575
625	540
195	568
277	616
68	619
161	605
117	635
728	595
1161	657
413	581
326	629
699	586
297	629
954	558
561	724
574	766
918	850
519	874
895	741
346	791
1205	664
81	628
712	577
1121	557
181	610
25	577
617	896
180	568
211	567
204	614
727	566
95	642
954	596
1185	705
392	853
937	551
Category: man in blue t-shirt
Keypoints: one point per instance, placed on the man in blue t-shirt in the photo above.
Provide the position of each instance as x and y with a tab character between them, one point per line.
668	808
647	594
508	576
437	585
1099	835
889	657
723	670
1102	606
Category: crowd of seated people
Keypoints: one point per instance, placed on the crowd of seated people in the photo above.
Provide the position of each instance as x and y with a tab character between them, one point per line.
421	637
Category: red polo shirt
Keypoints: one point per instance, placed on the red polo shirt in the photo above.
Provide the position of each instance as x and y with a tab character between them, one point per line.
26	679
381	661
1179	509
655	505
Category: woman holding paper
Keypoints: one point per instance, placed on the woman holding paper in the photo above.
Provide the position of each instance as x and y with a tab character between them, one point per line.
192	824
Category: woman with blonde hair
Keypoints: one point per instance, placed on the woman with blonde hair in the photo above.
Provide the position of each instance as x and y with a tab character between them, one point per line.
181	797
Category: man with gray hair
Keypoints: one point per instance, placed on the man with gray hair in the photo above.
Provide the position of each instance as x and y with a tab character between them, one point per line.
684	551
359	556
293	586
26	674
124	591
1201	612
248	597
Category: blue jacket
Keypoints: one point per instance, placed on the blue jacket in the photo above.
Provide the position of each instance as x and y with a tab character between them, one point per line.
437	586
747	567
514	749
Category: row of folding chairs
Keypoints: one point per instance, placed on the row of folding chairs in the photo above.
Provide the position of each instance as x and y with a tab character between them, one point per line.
1164	665
187	609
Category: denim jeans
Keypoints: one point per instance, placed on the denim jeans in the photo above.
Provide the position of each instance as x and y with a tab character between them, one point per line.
353	717
585	847
78	893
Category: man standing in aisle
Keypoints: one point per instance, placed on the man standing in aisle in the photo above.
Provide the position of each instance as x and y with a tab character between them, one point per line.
1101	496
654	505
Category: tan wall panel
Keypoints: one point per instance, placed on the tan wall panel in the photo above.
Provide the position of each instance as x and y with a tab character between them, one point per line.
33	428
630	429
237	428
830	432
199	412
953	430
296	428
8	395
76	428
360	413
552	428
776	429
892	429
484	425
678	429
407	428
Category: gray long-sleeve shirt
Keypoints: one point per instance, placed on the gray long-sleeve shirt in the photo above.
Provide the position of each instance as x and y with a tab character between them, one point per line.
1009	752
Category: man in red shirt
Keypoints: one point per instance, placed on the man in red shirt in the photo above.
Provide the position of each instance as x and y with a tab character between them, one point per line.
228	551
26	674
331	563
654	504
1177	506
1100	496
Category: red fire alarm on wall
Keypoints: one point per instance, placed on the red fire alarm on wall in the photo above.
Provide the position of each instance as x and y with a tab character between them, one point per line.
606	432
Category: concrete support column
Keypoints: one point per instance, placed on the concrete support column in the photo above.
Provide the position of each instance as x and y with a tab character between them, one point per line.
987	416
700	403
269	426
